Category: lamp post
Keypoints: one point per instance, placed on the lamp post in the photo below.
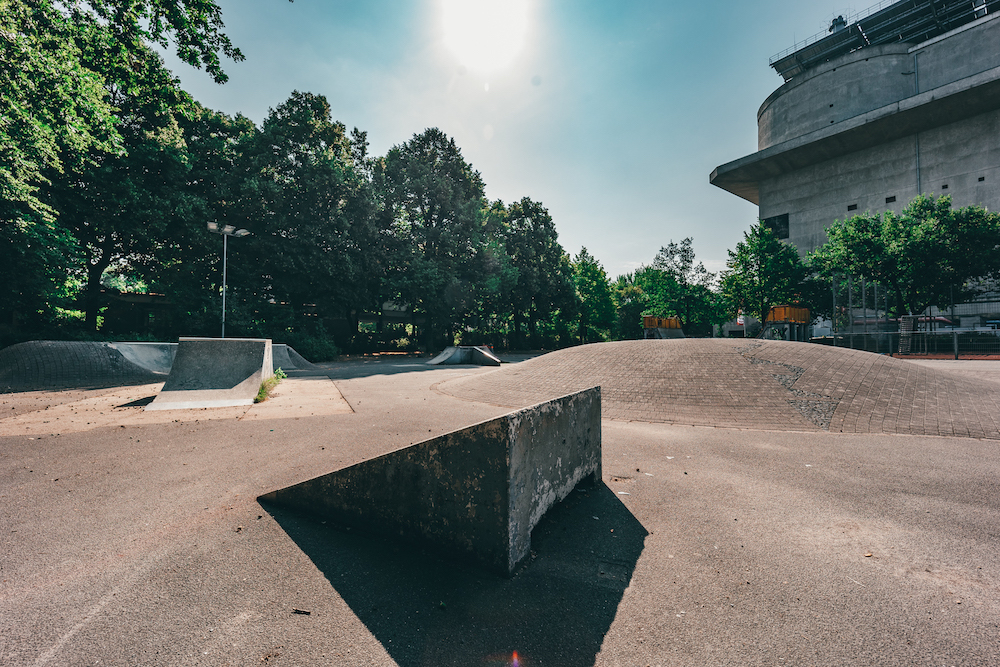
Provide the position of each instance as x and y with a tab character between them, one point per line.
226	231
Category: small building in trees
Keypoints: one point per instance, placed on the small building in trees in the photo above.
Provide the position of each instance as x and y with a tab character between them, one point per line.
899	100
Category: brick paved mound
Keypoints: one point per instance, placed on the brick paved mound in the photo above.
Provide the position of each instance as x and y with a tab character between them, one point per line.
50	364
732	383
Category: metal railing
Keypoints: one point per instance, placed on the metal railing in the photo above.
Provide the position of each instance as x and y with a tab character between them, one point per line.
952	343
850	19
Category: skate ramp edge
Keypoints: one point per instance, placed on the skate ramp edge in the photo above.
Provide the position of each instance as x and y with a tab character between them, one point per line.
215	373
479	355
476	492
154	357
287	359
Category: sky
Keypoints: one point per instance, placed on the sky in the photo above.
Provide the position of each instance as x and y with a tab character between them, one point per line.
611	113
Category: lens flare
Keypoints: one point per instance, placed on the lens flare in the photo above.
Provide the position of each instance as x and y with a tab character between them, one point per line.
485	35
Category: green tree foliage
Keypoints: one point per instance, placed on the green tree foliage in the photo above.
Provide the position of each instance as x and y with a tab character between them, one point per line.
536	278
52	94
927	255
120	206
597	309
631	302
673	285
309	208
763	272
435	201
87	128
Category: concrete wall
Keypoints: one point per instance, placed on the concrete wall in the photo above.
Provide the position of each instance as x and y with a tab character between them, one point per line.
843	88
872	78
959	158
956	155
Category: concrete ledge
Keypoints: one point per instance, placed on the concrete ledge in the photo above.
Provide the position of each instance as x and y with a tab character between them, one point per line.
476	492
215	373
479	355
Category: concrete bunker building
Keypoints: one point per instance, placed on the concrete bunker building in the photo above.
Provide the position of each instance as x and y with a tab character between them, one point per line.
900	100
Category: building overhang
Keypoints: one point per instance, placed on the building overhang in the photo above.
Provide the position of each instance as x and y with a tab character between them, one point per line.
955	101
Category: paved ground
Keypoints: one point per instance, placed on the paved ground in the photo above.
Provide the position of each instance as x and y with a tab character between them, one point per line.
135	543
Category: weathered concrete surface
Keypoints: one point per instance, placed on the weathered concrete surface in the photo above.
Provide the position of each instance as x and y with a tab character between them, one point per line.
287	359
477	491
215	373
466	354
50	364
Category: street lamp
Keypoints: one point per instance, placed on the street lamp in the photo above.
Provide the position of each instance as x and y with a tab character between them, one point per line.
226	231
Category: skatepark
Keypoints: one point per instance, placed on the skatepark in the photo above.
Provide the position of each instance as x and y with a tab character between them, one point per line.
762	503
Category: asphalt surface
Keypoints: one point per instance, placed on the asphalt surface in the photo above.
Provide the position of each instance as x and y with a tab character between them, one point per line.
142	543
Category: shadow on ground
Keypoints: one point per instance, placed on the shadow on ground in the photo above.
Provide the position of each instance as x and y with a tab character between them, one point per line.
426	611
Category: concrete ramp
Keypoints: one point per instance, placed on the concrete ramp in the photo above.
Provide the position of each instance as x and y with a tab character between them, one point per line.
479	355
155	357
215	373
287	359
54	364
476	492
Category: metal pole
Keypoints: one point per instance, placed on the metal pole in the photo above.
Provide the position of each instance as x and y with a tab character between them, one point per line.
864	307
225	248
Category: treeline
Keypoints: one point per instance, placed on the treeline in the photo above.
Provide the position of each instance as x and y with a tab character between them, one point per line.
110	172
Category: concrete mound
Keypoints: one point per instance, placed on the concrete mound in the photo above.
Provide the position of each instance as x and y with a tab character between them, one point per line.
51	364
215	373
476	492
287	359
768	385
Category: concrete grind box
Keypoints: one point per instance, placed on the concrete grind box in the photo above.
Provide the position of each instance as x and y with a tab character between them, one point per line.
476	492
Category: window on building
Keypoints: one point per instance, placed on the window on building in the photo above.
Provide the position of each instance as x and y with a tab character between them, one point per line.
889	200
944	187
979	8
777	224
852	207
982	178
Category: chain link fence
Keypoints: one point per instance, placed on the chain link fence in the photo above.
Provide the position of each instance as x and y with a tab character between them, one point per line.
953	343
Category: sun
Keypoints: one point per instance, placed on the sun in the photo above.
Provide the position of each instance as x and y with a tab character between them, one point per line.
485	35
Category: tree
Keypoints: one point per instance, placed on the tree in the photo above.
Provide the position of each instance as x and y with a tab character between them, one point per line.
436	203
55	109
763	272
542	279
307	204
631	301
930	254
119	206
692	297
597	310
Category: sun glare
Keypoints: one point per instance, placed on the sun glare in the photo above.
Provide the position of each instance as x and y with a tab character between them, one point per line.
485	35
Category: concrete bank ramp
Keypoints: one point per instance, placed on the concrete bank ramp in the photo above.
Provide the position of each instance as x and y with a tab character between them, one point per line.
287	359
476	492
51	364
215	373
479	355
155	357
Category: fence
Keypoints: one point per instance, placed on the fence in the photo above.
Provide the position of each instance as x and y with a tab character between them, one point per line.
951	343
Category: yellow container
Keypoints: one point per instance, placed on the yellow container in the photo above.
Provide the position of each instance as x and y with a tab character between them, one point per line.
651	322
793	314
